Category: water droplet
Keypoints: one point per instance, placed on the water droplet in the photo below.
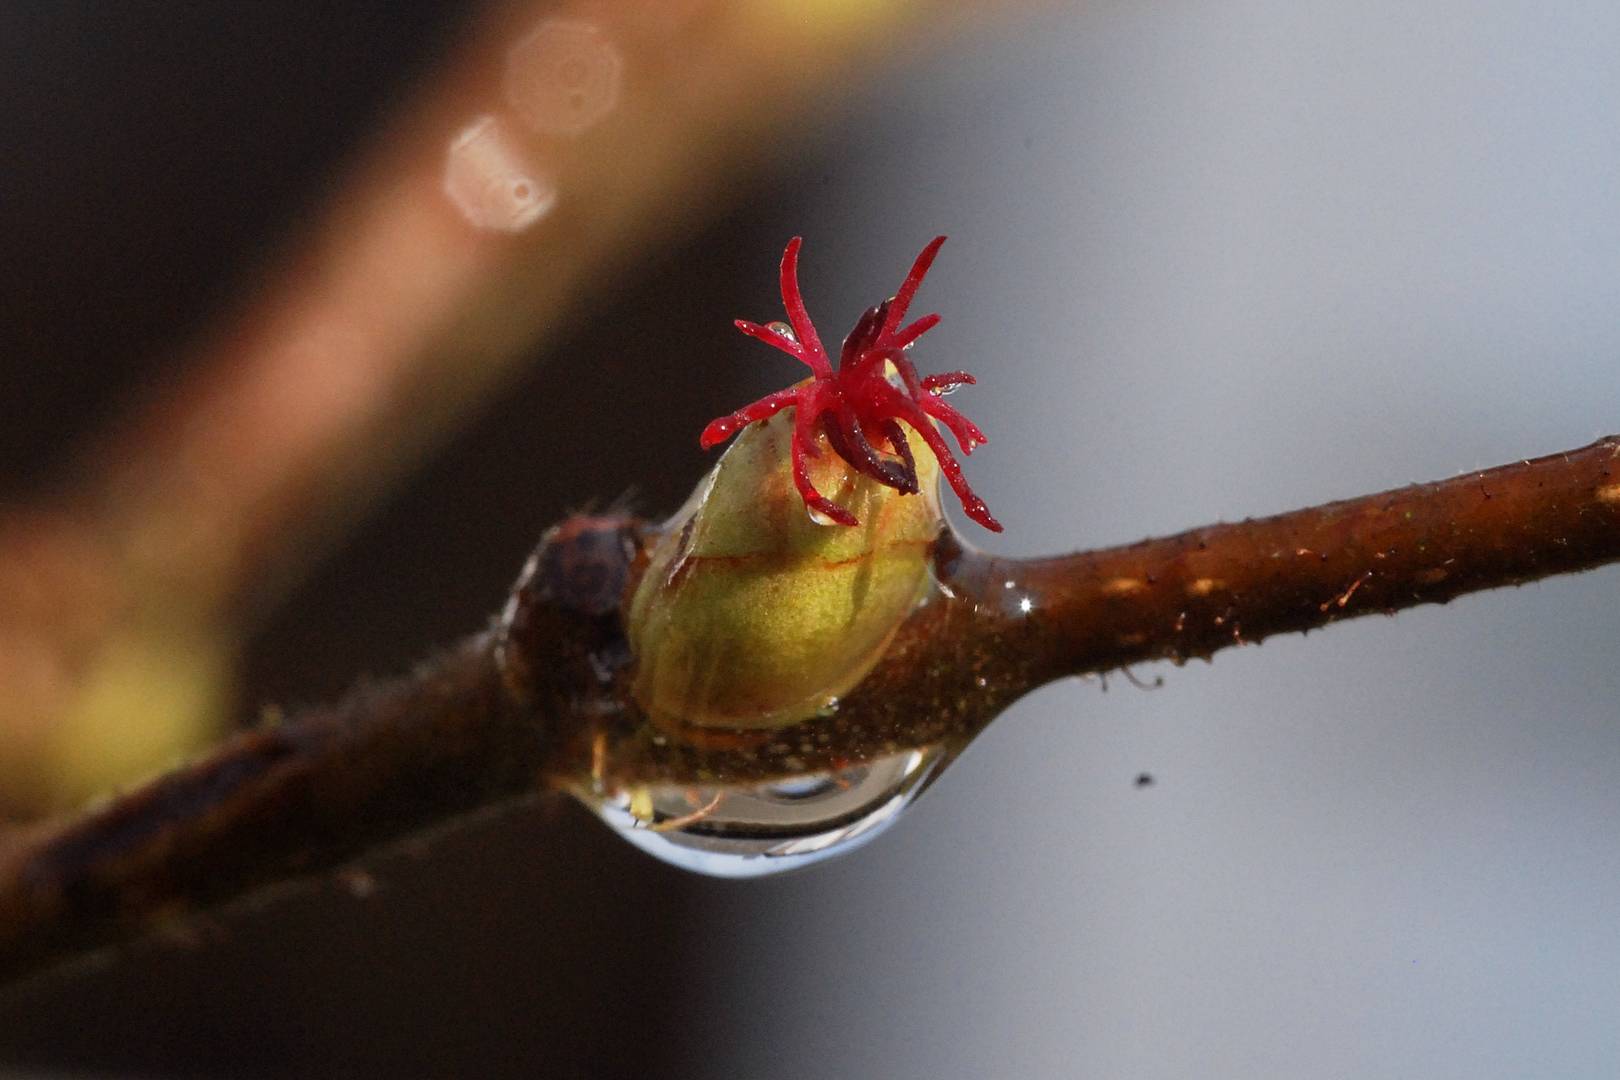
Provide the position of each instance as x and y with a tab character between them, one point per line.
818	517
565	77
748	830
487	181
782	328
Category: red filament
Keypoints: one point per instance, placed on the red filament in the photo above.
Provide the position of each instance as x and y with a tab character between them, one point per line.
857	405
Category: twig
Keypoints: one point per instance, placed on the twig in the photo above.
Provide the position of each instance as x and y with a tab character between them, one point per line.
527	705
273	803
1190	595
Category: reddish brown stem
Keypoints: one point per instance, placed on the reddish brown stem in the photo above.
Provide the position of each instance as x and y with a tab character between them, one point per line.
271	804
1194	593
505	714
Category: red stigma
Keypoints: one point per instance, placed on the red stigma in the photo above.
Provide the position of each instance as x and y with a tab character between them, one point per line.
856	405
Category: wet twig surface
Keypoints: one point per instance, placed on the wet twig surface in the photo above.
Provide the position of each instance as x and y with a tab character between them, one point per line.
513	710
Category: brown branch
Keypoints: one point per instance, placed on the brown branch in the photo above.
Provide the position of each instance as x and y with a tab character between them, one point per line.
531	704
1192	594
270	804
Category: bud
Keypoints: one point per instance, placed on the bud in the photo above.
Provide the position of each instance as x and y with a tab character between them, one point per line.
753	615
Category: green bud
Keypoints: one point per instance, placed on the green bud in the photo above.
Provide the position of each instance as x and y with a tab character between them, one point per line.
751	614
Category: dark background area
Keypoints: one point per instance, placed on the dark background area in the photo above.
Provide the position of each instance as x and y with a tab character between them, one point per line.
157	155
157	158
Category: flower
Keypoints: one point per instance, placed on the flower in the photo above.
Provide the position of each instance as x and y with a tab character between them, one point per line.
860	403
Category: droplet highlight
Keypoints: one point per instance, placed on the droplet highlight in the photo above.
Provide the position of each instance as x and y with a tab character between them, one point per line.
487	181
751	830
565	77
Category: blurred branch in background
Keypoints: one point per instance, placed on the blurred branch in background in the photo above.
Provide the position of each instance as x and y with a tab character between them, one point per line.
562	143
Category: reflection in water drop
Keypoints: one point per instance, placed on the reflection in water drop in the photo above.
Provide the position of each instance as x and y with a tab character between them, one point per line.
782	328
485	179
819	518
748	830
564	77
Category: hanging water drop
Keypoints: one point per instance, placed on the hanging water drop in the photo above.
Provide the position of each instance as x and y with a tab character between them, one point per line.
749	830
